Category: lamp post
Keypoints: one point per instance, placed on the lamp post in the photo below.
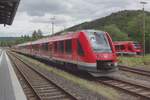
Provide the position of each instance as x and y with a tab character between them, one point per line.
143	3
52	22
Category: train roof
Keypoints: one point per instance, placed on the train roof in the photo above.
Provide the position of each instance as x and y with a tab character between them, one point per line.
69	35
24	44
8	10
63	36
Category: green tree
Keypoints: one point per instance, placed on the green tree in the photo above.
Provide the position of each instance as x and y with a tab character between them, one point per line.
40	33
116	33
135	27
37	34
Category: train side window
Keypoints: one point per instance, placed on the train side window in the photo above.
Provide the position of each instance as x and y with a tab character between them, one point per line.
61	46
68	46
50	47
35	47
80	49
55	46
58	46
45	46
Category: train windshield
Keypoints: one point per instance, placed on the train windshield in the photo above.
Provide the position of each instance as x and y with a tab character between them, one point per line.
136	45
99	42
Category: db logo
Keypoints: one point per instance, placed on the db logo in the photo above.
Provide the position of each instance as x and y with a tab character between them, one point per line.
105	56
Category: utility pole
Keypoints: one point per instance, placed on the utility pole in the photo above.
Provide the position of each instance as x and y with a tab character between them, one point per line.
143	3
52	22
64	28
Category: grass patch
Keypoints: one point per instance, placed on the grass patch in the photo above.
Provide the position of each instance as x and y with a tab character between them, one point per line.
93	86
135	61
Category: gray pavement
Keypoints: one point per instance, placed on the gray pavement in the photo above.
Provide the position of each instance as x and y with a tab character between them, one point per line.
10	88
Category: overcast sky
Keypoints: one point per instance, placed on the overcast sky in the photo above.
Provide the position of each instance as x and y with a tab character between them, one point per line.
37	14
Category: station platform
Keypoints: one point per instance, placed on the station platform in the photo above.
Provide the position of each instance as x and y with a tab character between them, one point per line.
10	88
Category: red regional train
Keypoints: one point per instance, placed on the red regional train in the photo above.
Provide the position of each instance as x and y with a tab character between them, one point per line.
90	50
128	47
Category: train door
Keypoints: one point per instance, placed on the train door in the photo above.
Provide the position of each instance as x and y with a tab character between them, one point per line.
30	48
69	49
74	49
50	49
80	53
40	49
54	50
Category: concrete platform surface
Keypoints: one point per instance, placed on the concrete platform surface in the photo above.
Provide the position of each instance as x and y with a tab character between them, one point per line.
10	88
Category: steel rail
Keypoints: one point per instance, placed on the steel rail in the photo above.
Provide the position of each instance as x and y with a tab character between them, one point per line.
30	71
135	70
128	87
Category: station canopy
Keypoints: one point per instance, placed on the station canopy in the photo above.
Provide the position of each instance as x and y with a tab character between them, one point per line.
8	10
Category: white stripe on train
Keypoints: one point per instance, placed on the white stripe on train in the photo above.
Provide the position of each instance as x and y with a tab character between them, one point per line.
76	62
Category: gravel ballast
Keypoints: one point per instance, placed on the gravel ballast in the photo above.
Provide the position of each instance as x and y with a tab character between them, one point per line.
74	88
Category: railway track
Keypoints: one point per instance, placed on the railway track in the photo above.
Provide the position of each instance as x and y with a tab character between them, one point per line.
134	70
135	89
43	88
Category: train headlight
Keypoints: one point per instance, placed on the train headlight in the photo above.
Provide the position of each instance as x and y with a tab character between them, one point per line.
109	64
115	64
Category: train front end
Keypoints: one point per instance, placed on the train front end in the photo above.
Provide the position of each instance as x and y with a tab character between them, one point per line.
136	48
103	52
